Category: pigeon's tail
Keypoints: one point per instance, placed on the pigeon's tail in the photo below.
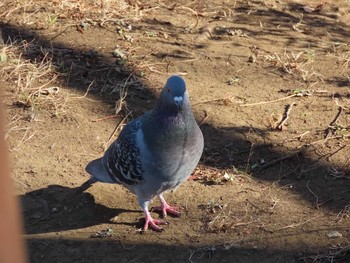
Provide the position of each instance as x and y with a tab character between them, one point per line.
98	171
87	184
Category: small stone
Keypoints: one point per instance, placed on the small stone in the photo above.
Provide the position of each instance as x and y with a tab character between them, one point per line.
252	58
333	234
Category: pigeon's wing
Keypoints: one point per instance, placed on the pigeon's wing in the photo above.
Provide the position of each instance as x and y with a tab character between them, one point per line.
122	160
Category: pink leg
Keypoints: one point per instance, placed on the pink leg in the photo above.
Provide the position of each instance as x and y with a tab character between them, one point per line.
152	223
165	208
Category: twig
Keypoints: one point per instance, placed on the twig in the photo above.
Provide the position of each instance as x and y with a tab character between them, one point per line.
186	60
298	137
213	100
285	116
119	103
192	252
329	138
329	155
266	165
116	128
297	224
193	12
86	93
330	256
125	247
249	156
205	117
106	118
267	102
337	174
308	188
42	242
38	89
330	126
62	32
23	139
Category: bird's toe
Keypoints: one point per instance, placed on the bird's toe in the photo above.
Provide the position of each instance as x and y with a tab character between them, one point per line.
154	224
167	209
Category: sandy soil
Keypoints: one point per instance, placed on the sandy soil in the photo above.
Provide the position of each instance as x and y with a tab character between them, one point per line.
264	191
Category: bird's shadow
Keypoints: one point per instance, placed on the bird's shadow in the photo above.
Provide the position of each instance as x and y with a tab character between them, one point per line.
58	208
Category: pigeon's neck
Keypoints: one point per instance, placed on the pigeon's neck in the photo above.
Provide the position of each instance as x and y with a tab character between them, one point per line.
167	127
172	111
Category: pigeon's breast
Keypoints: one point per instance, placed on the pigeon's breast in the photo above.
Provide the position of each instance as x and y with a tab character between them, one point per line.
171	162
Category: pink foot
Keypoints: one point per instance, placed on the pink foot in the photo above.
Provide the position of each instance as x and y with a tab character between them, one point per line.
153	223
166	209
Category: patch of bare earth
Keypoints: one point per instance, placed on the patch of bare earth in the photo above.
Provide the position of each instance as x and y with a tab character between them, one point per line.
270	86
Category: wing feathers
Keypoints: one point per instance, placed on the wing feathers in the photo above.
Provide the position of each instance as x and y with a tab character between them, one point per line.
123	160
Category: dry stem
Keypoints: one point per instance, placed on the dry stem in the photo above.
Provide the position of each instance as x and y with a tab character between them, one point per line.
285	116
266	165
116	128
330	126
308	188
267	102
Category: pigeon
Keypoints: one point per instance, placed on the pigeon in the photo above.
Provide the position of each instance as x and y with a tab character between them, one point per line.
155	152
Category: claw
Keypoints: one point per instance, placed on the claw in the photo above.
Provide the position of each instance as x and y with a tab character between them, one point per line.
166	209
153	223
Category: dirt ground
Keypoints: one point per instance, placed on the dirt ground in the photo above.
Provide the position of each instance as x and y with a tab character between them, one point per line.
269	83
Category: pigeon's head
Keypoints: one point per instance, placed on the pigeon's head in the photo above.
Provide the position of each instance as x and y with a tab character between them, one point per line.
174	93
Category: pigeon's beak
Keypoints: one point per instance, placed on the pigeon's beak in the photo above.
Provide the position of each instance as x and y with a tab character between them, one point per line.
178	101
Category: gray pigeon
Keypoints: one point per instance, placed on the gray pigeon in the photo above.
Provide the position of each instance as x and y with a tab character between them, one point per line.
155	152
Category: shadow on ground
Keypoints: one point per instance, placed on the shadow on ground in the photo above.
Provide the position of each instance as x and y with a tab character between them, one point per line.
70	250
303	172
293	23
57	208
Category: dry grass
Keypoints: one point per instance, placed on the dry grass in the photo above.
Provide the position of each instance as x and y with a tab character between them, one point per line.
32	70
344	59
301	64
32	81
31	86
341	54
40	14
245	217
